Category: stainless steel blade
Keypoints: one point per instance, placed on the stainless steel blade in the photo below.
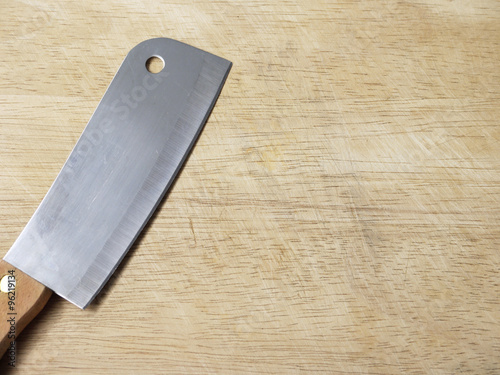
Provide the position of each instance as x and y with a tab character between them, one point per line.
120	168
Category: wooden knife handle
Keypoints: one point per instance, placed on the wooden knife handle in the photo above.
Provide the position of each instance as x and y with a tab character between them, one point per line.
26	299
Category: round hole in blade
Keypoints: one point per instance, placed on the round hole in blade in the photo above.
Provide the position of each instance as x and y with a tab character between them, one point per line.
155	64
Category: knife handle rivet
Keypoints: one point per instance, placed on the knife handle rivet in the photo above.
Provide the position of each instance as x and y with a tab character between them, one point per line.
7	283
155	64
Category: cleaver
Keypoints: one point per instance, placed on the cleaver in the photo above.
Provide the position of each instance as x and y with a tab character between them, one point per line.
122	165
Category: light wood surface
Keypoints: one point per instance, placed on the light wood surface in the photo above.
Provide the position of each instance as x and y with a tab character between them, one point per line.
339	214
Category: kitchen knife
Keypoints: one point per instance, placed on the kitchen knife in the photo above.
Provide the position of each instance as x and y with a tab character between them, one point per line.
125	160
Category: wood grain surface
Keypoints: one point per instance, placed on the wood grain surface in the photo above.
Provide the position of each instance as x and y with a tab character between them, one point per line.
339	214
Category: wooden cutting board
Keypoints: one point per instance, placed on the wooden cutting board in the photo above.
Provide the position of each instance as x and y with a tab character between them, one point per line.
339	214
